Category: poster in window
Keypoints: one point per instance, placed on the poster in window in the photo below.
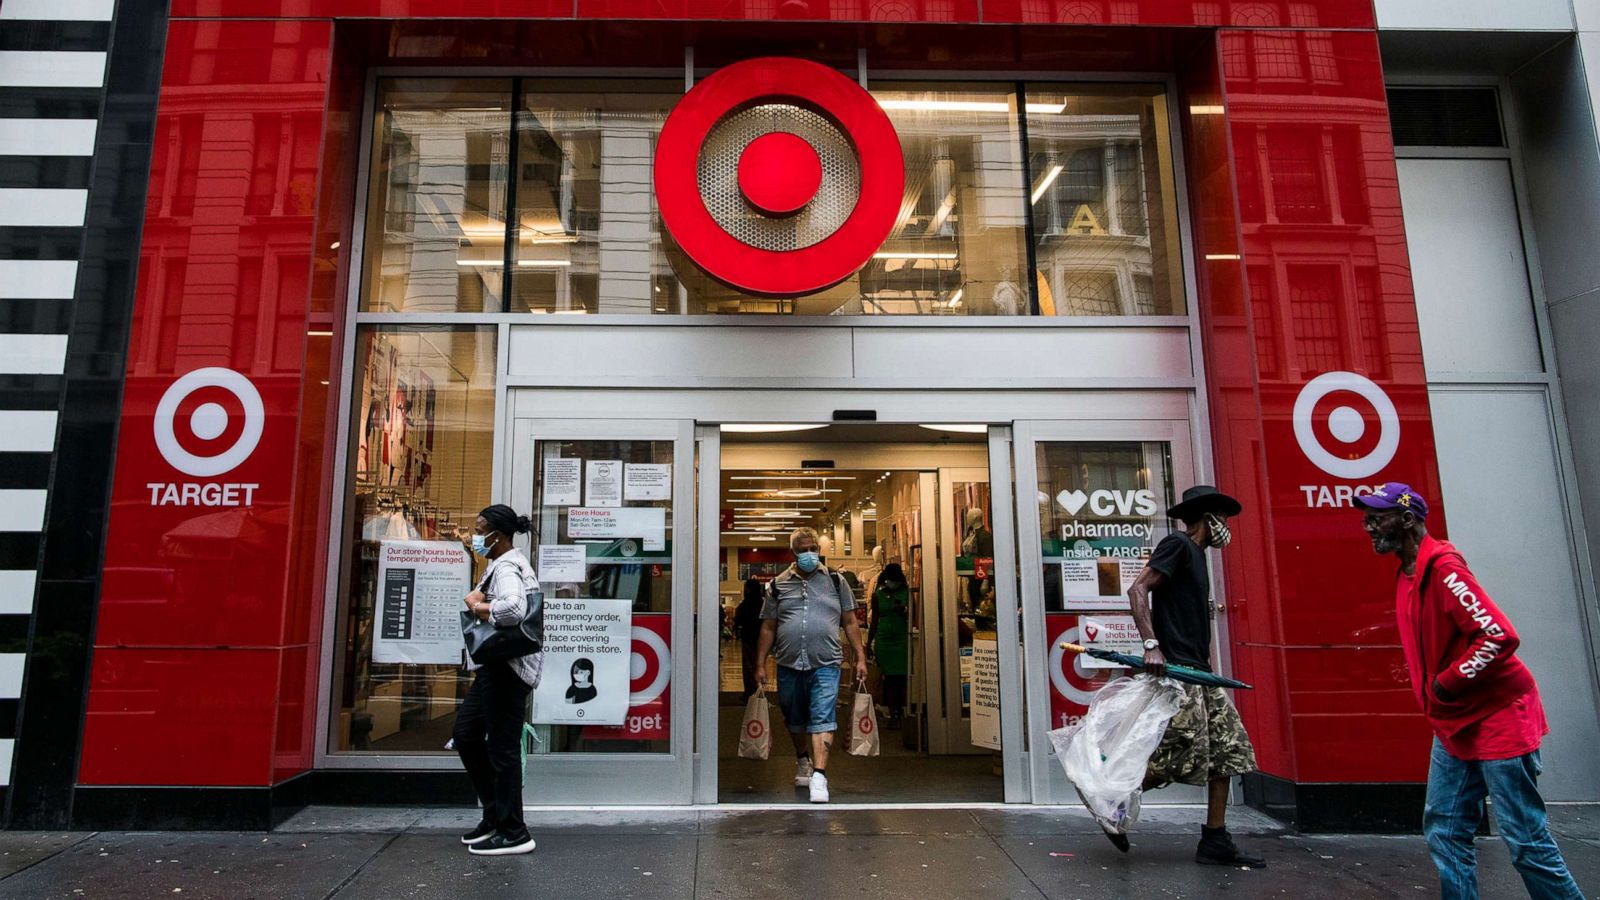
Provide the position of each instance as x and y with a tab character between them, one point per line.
420	586
603	482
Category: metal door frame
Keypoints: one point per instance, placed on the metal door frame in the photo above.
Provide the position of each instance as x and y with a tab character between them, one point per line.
1048	784
623	778
949	739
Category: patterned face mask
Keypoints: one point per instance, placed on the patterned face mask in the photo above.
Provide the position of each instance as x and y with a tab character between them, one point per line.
1218	526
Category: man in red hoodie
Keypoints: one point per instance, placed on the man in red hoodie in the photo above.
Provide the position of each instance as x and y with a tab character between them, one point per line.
1479	698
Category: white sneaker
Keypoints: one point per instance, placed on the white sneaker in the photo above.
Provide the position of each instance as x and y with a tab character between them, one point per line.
802	771
819	787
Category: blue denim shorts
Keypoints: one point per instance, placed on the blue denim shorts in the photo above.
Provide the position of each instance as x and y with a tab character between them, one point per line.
808	698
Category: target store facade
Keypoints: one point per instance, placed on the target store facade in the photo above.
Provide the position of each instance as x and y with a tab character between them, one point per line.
365	267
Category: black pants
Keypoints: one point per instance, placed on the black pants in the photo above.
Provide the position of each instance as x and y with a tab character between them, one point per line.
488	737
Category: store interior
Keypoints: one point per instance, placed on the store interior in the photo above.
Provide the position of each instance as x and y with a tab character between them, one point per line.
878	495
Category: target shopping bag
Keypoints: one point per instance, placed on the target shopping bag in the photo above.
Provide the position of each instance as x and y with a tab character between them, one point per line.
755	740
863	726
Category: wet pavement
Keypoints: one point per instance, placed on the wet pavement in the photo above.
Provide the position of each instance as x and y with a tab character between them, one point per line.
785	854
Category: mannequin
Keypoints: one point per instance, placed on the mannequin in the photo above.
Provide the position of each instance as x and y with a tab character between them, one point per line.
869	575
977	543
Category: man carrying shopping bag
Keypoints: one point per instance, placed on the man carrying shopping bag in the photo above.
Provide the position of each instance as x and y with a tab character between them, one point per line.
806	606
1205	742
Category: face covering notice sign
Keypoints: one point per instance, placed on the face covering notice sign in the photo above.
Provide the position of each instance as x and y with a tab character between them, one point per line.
587	656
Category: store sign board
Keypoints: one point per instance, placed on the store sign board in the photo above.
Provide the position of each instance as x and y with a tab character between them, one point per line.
646	524
780	179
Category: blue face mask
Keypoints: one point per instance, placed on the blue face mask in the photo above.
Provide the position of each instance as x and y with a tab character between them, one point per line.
808	561
480	545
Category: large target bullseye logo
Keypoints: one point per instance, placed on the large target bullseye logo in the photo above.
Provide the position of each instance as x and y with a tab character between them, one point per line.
1337	408
779	177
200	410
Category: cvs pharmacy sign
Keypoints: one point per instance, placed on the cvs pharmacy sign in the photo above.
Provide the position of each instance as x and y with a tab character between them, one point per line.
1109	503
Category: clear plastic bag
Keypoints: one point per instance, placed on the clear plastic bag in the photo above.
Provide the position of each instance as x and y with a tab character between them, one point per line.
1105	755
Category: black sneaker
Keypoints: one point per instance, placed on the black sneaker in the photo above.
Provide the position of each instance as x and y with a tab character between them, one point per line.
501	844
1218	849
478	835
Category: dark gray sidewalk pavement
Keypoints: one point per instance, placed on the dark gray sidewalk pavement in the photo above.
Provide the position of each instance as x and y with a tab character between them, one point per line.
792	854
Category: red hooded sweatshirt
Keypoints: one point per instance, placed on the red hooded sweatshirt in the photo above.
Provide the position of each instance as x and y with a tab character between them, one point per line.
1452	633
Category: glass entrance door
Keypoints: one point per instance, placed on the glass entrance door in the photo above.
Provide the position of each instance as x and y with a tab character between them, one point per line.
1092	505
612	504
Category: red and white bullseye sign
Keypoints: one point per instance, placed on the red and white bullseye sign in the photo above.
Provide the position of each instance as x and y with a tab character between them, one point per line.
778	176
1333	415
865	724
755	728
209	421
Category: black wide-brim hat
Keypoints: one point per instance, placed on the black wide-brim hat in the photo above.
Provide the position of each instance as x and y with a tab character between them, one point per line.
1202	499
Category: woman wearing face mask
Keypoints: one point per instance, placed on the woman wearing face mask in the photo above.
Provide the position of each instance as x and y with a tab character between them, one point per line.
889	637
488	732
582	689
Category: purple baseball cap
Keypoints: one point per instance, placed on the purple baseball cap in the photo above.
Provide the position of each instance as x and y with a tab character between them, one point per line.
1394	495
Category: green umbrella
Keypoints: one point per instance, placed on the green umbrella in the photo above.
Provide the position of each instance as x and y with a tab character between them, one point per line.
1176	673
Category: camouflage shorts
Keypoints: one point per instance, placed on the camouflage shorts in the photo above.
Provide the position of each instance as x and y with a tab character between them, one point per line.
1204	741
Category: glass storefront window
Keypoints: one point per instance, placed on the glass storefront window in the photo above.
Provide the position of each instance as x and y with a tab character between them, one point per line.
436	226
1094	185
635	566
588	236
422	454
1102	510
1103	202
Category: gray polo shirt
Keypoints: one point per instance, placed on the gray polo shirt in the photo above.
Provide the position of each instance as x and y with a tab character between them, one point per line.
810	610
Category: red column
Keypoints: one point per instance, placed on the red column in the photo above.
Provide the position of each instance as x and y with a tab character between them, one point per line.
204	642
1316	386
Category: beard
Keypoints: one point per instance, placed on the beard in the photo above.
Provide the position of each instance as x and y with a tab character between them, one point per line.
1386	543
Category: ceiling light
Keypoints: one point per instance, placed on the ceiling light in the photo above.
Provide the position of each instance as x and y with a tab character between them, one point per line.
545	263
797	492
918	254
1044	183
481	262
959	429
1206	110
766	428
765	539
1222	257
955	299
983	106
791	477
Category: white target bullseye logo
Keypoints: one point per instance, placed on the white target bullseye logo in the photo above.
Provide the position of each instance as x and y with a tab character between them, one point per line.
1346	424
640	666
209	421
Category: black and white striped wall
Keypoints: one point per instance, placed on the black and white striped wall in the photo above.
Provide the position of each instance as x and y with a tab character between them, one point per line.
78	83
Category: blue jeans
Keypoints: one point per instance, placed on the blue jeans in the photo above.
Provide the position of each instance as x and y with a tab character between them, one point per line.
1456	789
808	698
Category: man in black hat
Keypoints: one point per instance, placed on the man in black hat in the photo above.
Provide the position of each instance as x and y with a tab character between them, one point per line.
1205	743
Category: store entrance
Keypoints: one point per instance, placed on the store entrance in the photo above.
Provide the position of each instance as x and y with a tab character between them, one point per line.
891	504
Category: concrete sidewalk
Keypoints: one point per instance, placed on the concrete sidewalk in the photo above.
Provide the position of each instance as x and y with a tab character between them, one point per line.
925	854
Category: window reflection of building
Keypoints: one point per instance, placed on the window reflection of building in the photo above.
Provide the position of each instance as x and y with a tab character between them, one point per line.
1101	204
256	274
588	238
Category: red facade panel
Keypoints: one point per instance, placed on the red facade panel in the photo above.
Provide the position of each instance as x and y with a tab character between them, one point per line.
200	546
